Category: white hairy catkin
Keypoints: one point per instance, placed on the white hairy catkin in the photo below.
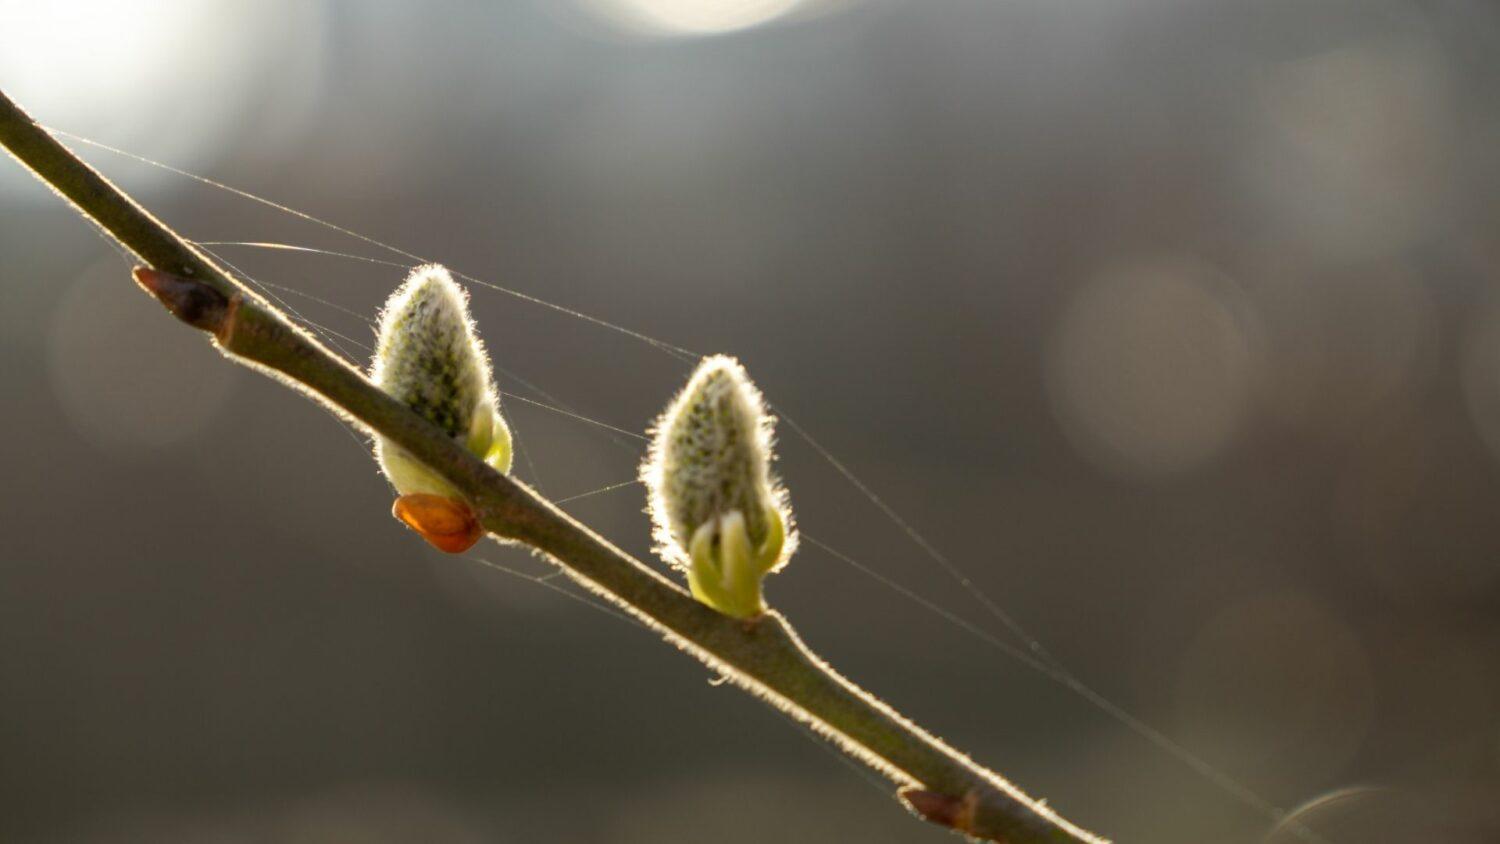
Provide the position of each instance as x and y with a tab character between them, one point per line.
711	456
430	358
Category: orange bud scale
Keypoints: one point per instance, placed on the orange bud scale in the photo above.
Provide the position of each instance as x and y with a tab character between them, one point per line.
447	524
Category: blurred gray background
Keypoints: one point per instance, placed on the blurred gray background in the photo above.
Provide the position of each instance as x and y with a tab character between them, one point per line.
1174	324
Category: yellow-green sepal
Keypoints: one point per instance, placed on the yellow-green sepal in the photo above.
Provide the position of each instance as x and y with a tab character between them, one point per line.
705	577
489	440
725	570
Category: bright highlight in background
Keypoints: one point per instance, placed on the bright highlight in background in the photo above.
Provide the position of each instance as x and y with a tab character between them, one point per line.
170	77
71	60
693	17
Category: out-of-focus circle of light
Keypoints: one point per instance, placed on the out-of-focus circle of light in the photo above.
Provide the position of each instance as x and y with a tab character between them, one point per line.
174	72
1151	368
73	57
691	17
1278	686
1355	145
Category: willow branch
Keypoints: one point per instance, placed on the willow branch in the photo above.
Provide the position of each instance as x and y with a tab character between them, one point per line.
763	656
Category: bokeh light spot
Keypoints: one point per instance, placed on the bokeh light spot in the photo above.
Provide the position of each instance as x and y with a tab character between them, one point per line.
1278	686
176	78
1355	153
1150	370
692	17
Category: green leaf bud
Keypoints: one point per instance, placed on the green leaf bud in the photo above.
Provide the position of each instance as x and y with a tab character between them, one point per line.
719	513
429	358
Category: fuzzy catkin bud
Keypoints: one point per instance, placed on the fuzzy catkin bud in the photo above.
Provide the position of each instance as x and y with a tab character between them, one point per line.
429	358
718	512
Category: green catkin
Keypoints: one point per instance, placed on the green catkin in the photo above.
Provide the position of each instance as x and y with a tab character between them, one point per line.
718	512
429	357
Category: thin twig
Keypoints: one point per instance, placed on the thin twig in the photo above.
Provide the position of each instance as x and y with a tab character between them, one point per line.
763	656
